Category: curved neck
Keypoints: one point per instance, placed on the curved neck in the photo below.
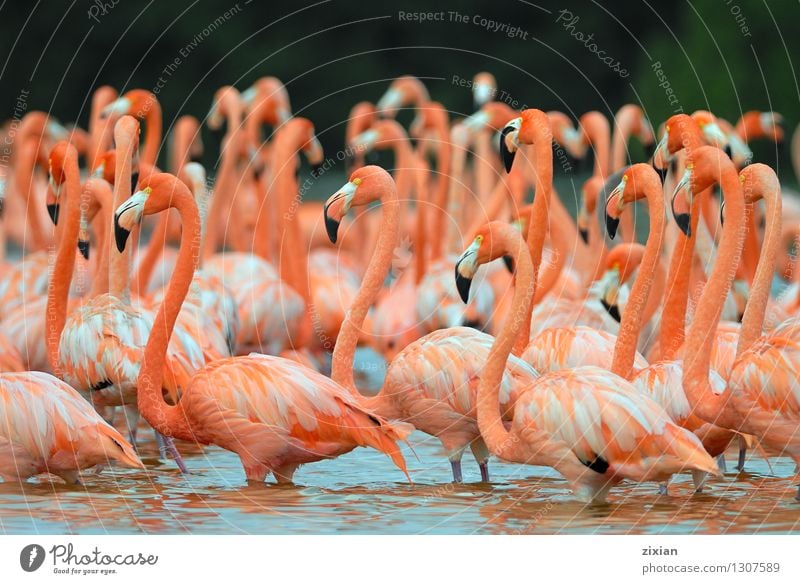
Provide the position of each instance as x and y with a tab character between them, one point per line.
540	211
153	139
490	422
702	332
153	251
379	266
24	178
597	130
58	291
120	263
100	191
673	317
754	312
166	419
632	318
559	249
420	239
225	182
444	161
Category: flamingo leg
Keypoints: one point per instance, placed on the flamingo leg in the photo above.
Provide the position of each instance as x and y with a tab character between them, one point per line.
742	454
484	466
162	447
456	466
699	479
173	450
721	465
662	489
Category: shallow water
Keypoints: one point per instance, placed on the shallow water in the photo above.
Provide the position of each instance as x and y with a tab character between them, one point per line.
363	493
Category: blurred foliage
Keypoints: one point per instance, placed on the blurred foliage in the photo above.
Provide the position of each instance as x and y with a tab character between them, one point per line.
335	53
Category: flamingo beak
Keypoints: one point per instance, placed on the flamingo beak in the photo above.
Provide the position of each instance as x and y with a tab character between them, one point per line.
314	154
83	247
388	104
482	94
52	210
2	206
609	292
509	142
683	215
118	107
583	223
509	262
337	207
661	155
612	220
722	213
714	134
365	141
465	269
127	216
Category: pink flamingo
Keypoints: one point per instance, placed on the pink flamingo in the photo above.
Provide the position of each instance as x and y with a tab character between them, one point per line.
48	427
591	425
273	413
432	382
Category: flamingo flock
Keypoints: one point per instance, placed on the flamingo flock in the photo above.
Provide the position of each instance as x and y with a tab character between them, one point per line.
231	311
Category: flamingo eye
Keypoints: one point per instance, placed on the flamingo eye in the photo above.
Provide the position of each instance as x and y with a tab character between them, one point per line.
479	239
357	181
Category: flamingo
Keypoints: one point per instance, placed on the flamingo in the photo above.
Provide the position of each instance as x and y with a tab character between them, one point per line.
431	383
591	425
765	405
47	426
97	348
274	413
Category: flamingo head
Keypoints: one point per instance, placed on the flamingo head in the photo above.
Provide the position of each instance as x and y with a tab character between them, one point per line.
156	193
137	102
484	88
366	185
490	242
591	188
56	178
712	132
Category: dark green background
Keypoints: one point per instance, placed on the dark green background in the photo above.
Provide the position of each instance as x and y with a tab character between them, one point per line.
330	56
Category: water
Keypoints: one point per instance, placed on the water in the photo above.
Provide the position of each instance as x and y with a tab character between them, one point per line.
363	493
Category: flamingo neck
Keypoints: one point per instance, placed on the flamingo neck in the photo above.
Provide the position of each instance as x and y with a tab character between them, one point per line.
225	183
490	422
153	139
754	312
377	270
58	291
166	419
598	132
540	210
673	317
101	191
444	161
702	332
120	263
633	317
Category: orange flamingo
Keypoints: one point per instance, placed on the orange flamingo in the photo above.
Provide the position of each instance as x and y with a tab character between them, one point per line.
48	427
432	382
275	414
590	425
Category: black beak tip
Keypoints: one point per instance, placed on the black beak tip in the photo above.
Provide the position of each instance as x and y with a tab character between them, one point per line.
584	233
2	206
120	236
649	150
463	284
83	247
613	311
612	224
505	154
332	227
684	223
661	172
316	169
509	262
52	210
